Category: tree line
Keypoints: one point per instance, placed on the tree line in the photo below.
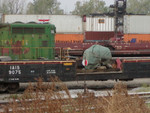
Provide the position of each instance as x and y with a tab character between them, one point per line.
81	8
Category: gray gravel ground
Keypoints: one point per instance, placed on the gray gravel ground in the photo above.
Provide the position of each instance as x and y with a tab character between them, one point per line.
95	85
102	84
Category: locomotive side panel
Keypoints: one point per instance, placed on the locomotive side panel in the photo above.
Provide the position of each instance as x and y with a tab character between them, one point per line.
137	69
30	71
27	41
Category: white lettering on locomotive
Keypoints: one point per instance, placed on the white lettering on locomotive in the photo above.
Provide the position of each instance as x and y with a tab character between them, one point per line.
50	71
14	70
14	67
12	79
32	71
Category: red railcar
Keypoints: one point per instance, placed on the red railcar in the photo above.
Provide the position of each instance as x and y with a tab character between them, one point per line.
118	48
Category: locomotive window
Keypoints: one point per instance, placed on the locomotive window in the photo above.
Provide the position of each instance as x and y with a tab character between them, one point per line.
28	30
39	30
17	30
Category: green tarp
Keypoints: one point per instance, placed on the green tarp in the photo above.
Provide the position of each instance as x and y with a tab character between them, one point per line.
97	55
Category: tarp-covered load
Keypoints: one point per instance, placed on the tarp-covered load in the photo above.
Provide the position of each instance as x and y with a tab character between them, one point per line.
96	56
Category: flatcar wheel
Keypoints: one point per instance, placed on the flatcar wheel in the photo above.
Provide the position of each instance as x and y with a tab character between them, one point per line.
13	87
3	87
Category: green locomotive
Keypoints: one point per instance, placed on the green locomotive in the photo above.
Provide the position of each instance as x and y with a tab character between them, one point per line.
27	41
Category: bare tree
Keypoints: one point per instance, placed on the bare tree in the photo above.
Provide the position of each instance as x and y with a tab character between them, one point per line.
88	7
44	7
138	6
12	6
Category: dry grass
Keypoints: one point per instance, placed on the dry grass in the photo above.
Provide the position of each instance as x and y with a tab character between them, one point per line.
48	99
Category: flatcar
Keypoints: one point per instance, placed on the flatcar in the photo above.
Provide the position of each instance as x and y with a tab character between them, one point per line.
12	73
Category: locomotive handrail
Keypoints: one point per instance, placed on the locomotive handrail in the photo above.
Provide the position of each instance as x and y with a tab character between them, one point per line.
21	51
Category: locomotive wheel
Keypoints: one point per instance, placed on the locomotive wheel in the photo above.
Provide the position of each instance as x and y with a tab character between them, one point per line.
3	87
13	87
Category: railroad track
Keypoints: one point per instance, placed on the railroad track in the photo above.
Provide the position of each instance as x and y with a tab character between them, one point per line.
3	105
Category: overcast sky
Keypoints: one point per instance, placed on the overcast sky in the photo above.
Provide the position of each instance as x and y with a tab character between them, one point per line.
69	5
